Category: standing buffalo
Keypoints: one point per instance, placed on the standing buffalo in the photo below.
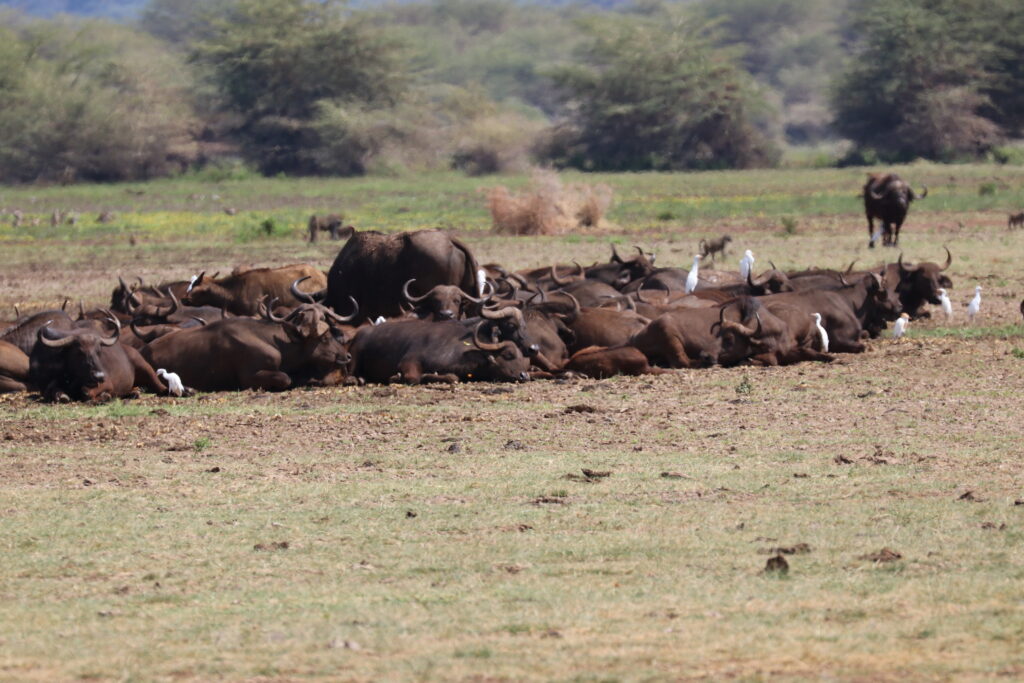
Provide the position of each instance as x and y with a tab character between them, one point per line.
373	268
331	223
887	197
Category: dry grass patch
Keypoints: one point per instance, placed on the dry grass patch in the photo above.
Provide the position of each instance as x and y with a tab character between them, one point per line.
548	206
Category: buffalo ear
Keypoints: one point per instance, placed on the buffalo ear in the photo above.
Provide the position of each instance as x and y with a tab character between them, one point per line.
294	332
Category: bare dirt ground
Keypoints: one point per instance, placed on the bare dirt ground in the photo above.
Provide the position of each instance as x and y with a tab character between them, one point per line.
575	530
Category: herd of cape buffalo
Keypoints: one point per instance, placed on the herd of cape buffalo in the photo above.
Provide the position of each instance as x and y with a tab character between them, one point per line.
417	307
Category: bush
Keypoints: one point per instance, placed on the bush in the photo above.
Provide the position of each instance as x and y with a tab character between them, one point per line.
548	207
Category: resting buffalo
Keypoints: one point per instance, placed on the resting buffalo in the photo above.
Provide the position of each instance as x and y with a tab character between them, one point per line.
13	368
415	351
243	353
887	197
373	268
81	362
23	332
240	292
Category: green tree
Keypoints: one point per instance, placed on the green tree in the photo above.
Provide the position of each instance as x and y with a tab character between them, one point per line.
651	92
90	100
274	63
918	83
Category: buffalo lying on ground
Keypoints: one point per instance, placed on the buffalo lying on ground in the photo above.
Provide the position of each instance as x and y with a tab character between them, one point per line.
241	292
81	362
415	351
887	197
373	268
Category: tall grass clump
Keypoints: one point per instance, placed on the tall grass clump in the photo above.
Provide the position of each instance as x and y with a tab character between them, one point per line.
548	206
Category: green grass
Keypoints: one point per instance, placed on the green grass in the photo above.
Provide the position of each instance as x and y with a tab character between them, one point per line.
332	534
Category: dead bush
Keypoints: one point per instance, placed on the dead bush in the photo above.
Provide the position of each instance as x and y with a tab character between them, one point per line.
548	207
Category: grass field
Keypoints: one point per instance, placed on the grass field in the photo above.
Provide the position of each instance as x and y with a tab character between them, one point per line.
435	533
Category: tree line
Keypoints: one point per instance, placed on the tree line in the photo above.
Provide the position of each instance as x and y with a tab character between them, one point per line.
316	87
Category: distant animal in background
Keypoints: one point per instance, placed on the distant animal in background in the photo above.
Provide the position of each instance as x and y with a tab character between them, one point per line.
1015	220
330	223
708	248
887	197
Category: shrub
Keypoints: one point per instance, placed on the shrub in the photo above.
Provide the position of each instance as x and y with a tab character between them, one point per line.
548	207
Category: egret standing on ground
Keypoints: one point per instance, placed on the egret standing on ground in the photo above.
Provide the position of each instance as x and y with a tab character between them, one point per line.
947	305
174	385
746	264
901	326
821	332
691	279
975	306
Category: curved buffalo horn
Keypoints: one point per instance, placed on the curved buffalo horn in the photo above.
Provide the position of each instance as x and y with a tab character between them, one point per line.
344	318
201	321
482	345
520	279
482	299
741	328
903	268
81	310
129	294
849	268
141	282
300	295
615	255
270	312
842	279
630	304
64	305
721	319
557	281
409	297
110	341
175	304
750	279
575	303
17	312
949	259
53	342
501	314
144	336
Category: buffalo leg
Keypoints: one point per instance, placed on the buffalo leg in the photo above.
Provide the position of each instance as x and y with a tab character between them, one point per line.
871	232
896	234
145	375
271	380
9	385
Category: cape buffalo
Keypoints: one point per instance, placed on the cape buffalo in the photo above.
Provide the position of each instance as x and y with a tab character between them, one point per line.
887	197
373	268
240	292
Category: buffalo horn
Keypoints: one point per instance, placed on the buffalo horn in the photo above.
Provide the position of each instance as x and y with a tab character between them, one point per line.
110	341
949	258
54	343
482	345
903	268
300	295
409	297
344	318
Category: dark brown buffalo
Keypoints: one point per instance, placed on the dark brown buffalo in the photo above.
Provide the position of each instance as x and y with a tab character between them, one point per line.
800	341
887	197
1015	219
919	284
604	327
415	351
698	337
23	333
130	298
240	293
330	223
13	368
243	353
598	362
83	363
442	302
372	268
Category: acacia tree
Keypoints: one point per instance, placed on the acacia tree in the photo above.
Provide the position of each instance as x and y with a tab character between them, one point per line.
651	92
274	63
919	82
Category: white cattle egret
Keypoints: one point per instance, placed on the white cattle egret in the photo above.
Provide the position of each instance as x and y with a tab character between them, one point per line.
746	264
691	279
901	326
481	282
191	283
380	319
821	332
975	306
174	385
947	305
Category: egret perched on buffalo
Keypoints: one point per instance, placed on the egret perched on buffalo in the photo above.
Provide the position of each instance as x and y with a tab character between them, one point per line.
821	332
691	278
746	264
